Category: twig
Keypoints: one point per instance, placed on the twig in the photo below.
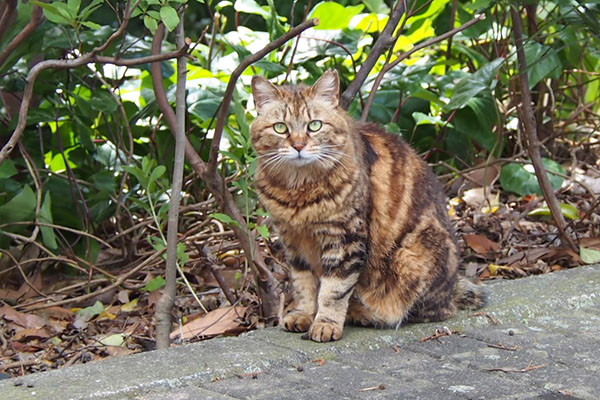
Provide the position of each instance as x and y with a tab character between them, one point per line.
439	333
36	19
367	389
108	288
212	260
167	299
58	64
522	370
7	8
500	346
384	42
484	314
427	43
228	95
528	124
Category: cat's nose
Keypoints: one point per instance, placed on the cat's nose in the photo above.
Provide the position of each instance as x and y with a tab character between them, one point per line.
298	145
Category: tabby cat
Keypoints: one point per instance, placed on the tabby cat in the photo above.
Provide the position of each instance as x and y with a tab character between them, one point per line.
362	217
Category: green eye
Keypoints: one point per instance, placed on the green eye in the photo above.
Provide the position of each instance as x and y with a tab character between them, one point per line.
280	127
315	125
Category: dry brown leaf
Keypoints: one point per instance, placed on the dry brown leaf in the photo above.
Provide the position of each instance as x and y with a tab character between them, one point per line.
57	312
480	244
26	291
29	333
216	322
22	319
590	242
9	295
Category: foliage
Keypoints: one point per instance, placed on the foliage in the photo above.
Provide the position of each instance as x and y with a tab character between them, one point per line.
97	155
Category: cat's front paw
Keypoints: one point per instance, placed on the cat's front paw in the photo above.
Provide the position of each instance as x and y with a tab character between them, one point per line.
325	331
297	321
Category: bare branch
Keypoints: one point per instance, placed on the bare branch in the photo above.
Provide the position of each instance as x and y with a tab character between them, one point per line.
59	64
167	299
527	119
427	43
215	184
384	42
36	19
224	109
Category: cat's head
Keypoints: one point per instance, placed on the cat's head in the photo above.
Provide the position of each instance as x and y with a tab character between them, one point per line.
299	126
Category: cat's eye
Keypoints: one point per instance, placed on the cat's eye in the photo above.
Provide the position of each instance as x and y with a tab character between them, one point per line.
280	127
314	125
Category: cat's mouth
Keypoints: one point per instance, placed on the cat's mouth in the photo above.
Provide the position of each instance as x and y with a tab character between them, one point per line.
301	158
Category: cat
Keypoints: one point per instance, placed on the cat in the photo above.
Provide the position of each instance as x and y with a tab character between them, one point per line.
361	215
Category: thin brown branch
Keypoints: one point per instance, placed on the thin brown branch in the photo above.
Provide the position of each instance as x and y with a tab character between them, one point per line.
7	8
36	19
106	289
213	262
384	42
215	184
165	304
427	43
225	104
58	64
528	124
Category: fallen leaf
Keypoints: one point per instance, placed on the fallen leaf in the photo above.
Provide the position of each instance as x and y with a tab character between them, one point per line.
589	256
216	322
123	296
26	291
116	340
130	306
25	320
115	351
480	244
57	312
29	333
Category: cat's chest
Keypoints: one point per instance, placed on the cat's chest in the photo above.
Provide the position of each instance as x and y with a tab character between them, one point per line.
299	206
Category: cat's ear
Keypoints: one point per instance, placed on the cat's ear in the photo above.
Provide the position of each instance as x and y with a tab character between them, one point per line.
327	87
264	92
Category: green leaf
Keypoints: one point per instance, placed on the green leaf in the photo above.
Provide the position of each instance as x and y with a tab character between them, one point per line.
542	62
521	179
55	12
116	339
333	15
88	313
103	101
154	284
73	6
91	25
226	219
150	23
169	16
426	119
471	85
48	235
567	210
7	169
589	256
19	208
250	7
263	230
377	6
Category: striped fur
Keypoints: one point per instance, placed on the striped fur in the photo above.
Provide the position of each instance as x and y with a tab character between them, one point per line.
362	217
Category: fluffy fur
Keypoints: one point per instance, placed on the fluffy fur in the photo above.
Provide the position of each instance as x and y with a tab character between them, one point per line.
362	217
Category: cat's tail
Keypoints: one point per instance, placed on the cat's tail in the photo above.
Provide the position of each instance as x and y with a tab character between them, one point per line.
469	295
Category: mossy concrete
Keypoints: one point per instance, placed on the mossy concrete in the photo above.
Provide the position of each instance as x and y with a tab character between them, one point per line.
545	346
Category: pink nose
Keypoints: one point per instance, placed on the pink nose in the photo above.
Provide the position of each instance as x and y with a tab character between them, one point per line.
298	145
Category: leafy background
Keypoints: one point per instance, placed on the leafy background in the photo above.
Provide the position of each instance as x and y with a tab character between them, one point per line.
85	195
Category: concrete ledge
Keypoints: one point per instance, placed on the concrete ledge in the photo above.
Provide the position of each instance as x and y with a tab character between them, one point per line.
556	315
